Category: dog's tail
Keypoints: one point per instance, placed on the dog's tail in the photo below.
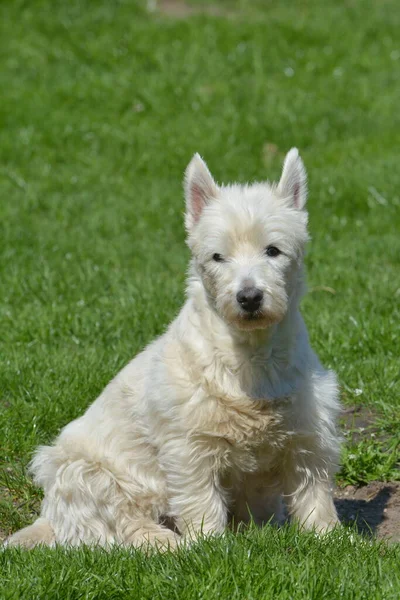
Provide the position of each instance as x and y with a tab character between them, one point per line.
40	532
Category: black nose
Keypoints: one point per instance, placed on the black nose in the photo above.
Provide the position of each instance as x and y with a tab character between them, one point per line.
250	299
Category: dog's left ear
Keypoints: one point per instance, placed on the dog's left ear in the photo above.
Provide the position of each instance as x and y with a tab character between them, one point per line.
200	188
293	183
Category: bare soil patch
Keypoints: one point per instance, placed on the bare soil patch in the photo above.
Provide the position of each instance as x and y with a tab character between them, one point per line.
374	508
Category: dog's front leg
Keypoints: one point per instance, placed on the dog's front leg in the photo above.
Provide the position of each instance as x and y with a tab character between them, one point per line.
197	500
308	489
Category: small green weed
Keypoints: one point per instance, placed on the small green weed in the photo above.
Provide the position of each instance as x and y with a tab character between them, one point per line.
370	460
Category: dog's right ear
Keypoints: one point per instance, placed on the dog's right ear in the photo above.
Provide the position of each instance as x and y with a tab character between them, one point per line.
200	188
293	183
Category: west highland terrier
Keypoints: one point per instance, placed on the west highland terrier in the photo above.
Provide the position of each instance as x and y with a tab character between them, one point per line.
226	413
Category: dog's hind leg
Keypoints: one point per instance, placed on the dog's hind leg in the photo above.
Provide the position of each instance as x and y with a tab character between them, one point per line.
95	503
40	532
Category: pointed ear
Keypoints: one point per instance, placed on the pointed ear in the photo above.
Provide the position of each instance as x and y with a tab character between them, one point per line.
200	188
293	183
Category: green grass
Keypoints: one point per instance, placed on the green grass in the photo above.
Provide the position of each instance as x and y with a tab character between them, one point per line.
252	565
102	106
369	460
371	453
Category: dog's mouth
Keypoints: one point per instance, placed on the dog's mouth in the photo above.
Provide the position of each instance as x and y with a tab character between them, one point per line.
254	320
260	319
253	316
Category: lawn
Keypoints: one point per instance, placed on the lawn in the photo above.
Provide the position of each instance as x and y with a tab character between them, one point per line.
102	105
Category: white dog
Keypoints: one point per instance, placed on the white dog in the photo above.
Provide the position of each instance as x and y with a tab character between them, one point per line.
226	412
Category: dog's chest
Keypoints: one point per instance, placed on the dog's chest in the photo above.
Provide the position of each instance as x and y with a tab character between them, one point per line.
240	432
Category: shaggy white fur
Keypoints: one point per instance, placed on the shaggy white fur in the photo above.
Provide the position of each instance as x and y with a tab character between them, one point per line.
223	414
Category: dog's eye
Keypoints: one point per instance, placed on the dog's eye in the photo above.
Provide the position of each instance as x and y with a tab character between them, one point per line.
218	258
272	251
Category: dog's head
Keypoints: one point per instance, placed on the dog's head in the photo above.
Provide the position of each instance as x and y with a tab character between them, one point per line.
247	241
